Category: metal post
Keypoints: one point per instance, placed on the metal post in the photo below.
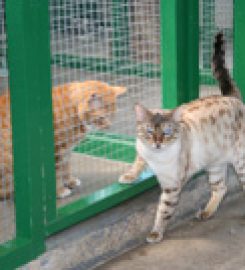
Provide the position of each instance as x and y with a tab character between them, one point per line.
179	51
239	45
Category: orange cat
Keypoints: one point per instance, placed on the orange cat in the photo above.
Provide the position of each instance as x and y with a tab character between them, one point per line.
75	105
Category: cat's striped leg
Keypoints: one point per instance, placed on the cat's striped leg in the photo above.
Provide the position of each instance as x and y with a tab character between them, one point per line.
218	191
71	181
166	206
6	182
133	172
61	175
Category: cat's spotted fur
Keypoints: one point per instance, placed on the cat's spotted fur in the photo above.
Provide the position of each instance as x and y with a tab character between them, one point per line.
205	134
75	105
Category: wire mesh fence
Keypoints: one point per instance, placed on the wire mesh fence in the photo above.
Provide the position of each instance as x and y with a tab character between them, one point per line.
215	15
118	43
112	43
7	216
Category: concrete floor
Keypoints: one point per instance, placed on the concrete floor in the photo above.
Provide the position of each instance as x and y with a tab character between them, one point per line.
216	244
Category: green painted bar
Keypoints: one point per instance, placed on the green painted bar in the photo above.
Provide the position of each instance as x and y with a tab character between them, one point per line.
239	45
97	202
46	119
179	51
26	24
15	253
102	200
169	62
191	62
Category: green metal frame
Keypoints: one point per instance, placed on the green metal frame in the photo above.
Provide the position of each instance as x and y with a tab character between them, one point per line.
27	24
186	34
99	201
239	45
179	50
37	215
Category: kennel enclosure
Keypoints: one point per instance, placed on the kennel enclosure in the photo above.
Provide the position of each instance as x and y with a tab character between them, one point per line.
159	50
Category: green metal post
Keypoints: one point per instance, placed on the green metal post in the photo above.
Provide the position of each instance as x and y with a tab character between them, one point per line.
191	64
120	23
179	51
47	134
27	28
239	45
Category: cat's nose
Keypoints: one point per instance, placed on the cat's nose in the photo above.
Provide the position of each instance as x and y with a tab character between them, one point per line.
158	145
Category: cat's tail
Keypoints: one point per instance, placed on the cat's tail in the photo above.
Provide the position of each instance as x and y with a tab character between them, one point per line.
220	71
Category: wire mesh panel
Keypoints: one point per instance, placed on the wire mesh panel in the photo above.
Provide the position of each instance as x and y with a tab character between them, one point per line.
7	216
215	15
105	57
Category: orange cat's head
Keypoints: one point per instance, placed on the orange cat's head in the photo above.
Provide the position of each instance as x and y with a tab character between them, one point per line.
95	101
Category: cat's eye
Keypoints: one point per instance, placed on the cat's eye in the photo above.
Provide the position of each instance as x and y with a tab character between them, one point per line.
149	130
167	131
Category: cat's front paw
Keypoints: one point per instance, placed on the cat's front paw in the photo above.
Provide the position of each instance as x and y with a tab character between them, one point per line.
127	178
154	237
63	193
203	215
73	183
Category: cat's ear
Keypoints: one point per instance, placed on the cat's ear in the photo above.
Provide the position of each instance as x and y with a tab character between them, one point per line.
119	90
142	114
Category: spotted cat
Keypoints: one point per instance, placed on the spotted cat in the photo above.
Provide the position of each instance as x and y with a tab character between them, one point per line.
205	134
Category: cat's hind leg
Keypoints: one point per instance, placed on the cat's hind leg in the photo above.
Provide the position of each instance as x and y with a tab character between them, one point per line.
239	167
217	175
61	175
6	182
134	171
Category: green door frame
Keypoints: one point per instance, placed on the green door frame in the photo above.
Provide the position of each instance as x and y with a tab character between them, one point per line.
27	27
